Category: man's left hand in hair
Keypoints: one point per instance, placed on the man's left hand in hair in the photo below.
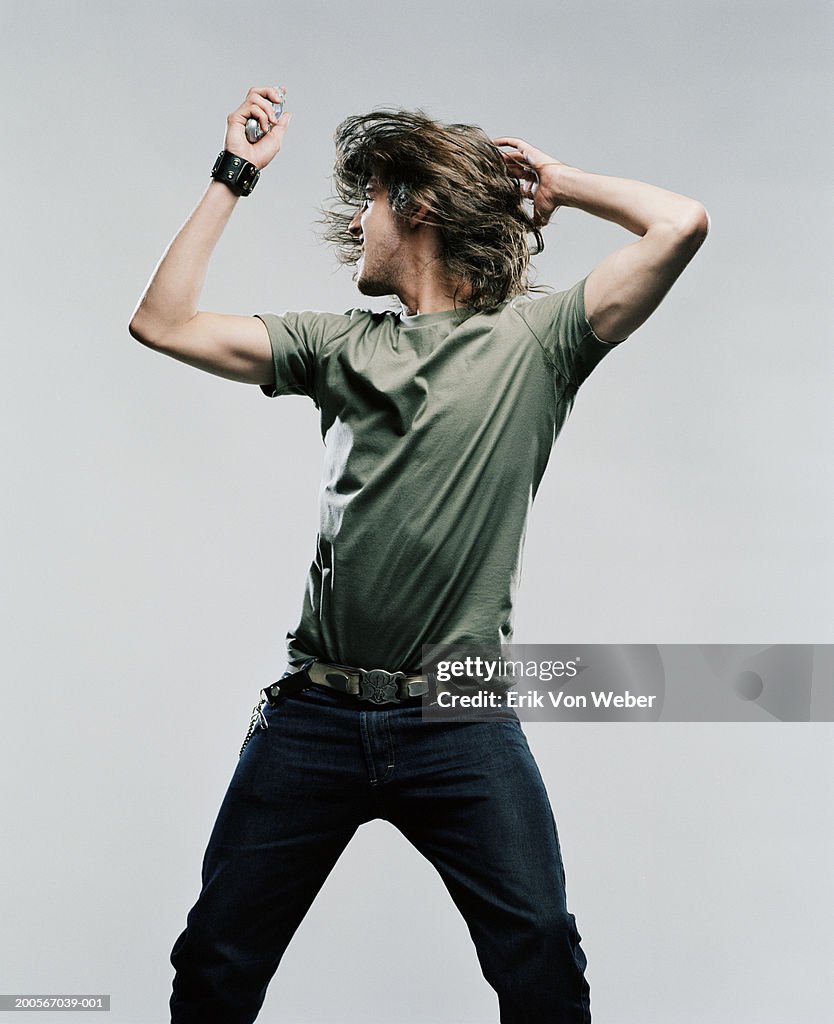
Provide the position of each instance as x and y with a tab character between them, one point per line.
532	167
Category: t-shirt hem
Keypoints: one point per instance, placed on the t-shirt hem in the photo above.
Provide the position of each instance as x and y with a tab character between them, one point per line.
589	331
272	390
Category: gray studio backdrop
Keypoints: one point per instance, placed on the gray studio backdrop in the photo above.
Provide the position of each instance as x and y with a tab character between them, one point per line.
158	521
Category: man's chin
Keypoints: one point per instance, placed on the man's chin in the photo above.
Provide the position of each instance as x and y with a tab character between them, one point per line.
368	286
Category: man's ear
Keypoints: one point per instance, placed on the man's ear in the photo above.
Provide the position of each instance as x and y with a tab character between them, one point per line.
416	219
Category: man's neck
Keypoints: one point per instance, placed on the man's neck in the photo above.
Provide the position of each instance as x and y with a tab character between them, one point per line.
433	297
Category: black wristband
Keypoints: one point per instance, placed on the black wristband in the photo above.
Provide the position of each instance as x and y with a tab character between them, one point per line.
237	173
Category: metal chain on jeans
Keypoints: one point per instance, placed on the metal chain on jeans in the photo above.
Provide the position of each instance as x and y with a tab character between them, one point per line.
257	721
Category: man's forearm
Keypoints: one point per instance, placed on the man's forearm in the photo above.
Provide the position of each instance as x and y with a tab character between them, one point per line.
173	293
169	303
634	205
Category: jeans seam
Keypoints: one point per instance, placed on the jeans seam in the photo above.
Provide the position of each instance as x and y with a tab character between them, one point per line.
367	747
391	761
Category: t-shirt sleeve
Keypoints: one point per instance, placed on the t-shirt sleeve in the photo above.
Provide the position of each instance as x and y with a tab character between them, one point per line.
559	323
298	340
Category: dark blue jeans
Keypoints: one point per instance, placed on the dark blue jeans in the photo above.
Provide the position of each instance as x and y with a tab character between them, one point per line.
467	794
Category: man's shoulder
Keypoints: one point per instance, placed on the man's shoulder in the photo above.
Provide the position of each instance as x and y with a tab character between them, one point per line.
542	294
319	328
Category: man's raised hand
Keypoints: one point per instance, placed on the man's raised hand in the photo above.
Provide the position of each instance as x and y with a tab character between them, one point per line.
533	168
258	104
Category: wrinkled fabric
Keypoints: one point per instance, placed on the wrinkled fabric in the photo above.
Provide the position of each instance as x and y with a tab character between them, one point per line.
437	431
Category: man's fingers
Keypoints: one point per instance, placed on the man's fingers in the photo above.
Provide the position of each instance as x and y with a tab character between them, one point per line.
268	91
518	143
519	162
262	98
520	146
517	167
274	95
261	110
514	154
523	152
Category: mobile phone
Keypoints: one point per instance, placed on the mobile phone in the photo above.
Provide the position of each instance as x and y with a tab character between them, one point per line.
253	130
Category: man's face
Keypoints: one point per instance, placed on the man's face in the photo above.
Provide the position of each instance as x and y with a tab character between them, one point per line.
382	266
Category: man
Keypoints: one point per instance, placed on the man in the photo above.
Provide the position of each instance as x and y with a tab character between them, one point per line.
438	421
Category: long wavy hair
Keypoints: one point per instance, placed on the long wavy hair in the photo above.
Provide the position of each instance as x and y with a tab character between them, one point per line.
454	170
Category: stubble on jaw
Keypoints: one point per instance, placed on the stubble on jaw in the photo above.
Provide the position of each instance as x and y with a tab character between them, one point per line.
375	284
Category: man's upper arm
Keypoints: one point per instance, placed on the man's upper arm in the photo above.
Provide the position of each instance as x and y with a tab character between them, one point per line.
234	347
560	325
628	286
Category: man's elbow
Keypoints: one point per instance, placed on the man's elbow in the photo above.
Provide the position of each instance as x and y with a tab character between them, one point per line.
694	226
143	329
135	330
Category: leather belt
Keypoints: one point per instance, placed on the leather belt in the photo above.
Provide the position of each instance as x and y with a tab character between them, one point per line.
375	685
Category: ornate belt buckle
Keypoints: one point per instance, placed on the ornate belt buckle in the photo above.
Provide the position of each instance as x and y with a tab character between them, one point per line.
379	686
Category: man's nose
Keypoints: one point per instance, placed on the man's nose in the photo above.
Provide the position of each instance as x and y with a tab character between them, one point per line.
355	226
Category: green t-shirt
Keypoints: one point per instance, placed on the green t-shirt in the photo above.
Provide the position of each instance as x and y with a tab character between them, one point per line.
437	430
